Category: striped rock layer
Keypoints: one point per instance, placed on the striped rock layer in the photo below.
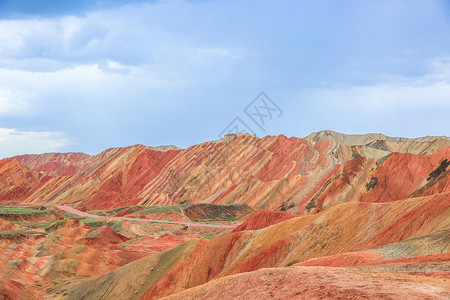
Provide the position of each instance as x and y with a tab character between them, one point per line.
300	176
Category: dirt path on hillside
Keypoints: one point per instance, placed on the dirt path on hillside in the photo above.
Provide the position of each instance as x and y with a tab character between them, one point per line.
83	214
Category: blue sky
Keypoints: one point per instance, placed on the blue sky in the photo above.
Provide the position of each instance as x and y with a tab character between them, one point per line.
88	75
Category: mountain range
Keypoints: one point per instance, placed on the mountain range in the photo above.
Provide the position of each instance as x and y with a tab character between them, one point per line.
328	216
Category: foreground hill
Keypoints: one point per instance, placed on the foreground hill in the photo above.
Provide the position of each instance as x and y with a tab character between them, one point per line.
403	229
42	248
314	283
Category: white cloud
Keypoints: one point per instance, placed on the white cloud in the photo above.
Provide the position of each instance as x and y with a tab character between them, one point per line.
15	142
389	97
13	103
429	91
57	38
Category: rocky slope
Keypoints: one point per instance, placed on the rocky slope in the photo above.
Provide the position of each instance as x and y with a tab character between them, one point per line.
407	228
63	164
423	145
314	283
18	182
42	249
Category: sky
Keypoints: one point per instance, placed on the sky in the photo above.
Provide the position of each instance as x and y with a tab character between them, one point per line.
87	75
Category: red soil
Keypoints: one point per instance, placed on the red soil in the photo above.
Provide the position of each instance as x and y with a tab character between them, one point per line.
264	218
370	257
402	174
104	235
17	181
318	283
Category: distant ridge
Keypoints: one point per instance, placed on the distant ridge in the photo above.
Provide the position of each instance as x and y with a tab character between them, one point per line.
364	139
422	145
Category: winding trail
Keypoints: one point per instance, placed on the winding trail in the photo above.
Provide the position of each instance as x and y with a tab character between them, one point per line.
84	214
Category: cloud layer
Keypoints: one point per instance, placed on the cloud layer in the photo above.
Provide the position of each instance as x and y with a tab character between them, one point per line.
14	142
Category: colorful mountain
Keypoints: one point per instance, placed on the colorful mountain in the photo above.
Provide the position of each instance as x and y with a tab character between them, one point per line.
330	216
